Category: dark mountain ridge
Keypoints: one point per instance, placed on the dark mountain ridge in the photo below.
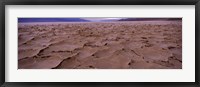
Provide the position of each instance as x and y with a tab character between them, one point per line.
21	20
148	19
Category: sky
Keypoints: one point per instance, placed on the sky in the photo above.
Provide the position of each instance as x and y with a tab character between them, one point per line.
101	19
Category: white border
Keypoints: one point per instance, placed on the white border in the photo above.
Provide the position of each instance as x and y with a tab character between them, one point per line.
187	74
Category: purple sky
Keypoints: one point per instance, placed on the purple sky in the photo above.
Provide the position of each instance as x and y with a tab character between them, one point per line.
101	19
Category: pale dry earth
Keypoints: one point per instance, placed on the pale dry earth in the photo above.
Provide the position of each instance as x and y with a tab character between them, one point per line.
100	45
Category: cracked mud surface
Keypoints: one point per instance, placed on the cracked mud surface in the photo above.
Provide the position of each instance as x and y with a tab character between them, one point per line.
100	45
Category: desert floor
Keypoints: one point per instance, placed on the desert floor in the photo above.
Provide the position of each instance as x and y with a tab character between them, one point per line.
100	45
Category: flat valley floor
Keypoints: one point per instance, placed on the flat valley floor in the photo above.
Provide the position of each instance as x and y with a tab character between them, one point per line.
100	45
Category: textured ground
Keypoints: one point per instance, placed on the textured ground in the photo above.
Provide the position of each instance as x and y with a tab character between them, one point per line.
103	45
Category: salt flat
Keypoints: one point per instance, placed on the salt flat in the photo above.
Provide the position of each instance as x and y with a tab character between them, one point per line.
100	45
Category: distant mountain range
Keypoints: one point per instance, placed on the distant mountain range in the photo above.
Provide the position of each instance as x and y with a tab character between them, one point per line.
21	20
148	19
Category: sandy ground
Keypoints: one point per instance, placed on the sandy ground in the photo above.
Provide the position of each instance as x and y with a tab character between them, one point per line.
100	45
